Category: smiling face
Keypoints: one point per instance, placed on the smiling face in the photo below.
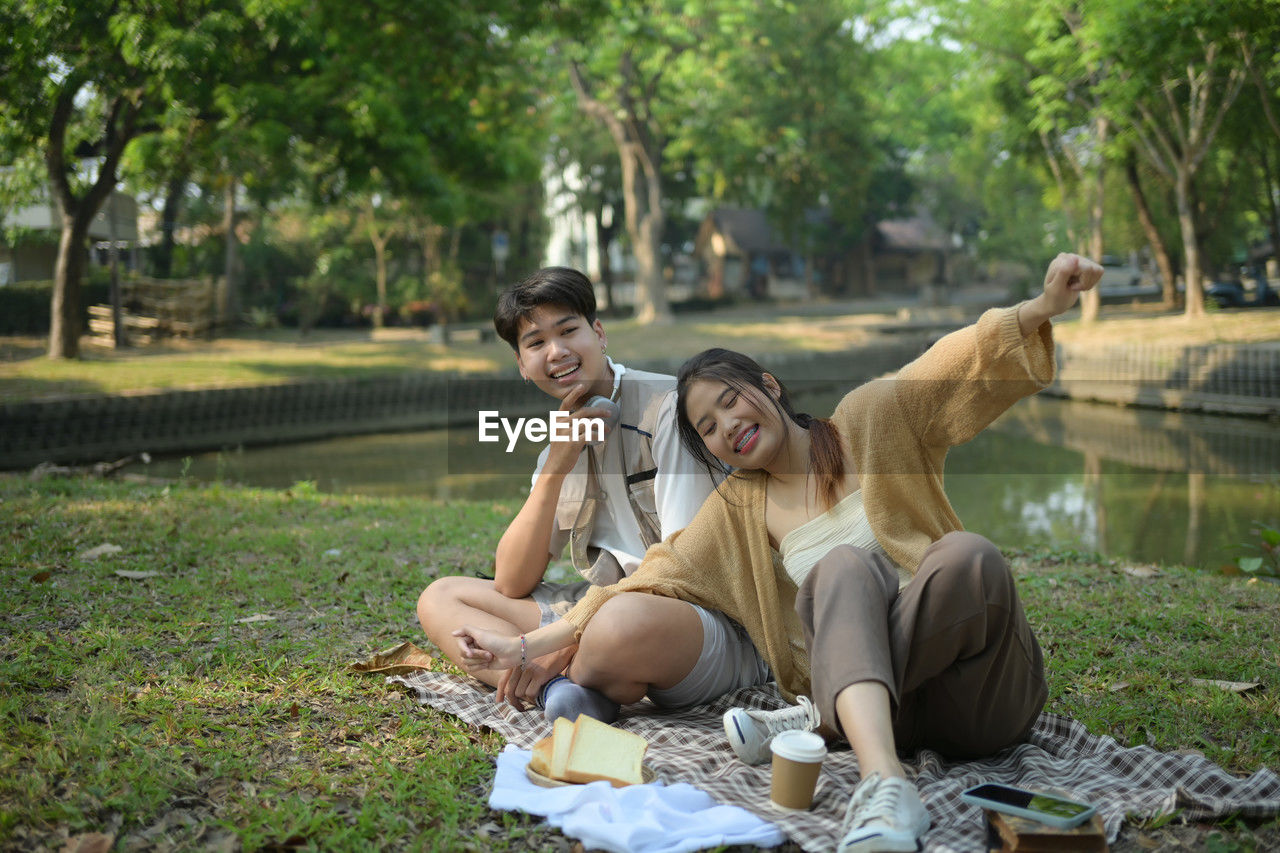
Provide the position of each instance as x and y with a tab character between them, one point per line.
558	350
739	426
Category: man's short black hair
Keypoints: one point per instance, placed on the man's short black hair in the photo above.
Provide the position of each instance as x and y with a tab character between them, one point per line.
560	286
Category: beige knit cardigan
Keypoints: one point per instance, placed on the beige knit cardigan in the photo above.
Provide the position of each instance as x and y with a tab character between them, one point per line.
897	432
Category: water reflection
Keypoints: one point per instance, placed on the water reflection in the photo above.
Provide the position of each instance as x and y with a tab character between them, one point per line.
1149	486
438	464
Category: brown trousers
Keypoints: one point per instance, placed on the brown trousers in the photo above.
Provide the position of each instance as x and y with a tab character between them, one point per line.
963	668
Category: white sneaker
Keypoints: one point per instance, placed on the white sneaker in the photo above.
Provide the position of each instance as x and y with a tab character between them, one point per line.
884	815
750	732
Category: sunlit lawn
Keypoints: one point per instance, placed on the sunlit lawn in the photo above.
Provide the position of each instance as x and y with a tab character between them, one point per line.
204	701
282	355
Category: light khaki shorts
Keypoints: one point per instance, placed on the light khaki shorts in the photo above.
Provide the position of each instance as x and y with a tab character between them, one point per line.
728	662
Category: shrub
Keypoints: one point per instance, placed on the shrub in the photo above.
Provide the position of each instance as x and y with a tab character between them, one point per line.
24	306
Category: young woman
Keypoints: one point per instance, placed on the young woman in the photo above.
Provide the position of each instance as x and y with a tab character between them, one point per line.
804	545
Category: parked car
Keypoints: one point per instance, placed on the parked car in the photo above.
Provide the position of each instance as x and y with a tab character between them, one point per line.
1231	293
1123	279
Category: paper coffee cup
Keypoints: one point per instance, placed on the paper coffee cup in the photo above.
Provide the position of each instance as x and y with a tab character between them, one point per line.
797	758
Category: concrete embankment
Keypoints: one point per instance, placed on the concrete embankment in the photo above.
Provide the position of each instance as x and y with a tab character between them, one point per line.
1240	379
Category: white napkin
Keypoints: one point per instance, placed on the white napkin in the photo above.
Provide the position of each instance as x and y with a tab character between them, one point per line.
653	818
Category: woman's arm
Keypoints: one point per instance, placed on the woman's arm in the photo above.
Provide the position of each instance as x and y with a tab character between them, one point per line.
969	377
481	648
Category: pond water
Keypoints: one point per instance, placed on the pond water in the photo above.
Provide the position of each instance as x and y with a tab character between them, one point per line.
1146	486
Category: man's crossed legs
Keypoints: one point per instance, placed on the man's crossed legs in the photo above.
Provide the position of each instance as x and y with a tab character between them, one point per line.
674	652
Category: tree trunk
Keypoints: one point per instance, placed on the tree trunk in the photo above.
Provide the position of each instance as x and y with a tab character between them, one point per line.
642	206
68	273
1159	249
1091	300
380	277
604	239
163	256
640	152
233	245
1269	209
119	336
651	291
77	213
1191	247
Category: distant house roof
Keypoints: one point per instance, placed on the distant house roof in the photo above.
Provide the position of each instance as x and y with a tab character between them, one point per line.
917	234
118	218
744	230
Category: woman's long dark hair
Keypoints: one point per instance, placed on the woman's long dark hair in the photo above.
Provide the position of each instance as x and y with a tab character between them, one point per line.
826	457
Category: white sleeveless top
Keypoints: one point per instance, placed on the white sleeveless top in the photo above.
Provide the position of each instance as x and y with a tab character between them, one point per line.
844	524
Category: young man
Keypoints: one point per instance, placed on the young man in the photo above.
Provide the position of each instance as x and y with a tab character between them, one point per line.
609	503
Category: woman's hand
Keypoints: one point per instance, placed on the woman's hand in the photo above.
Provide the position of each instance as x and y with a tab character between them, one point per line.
480	648
520	685
1067	277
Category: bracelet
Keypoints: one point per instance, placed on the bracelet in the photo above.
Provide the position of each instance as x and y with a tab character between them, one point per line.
524	649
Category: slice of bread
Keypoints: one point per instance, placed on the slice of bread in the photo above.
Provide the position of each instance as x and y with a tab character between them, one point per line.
599	751
540	761
562	739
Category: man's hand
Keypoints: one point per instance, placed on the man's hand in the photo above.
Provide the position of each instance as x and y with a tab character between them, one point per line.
518	686
564	454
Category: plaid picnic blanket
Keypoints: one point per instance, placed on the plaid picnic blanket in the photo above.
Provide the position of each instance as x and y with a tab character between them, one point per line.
689	746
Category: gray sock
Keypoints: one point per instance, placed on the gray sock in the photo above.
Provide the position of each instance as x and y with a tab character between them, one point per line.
560	697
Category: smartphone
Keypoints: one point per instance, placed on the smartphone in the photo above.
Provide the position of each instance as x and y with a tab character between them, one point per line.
1049	809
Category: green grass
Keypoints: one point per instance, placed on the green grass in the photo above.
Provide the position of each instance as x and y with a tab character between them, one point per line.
144	709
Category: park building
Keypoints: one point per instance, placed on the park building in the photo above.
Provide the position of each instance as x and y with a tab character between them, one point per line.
34	230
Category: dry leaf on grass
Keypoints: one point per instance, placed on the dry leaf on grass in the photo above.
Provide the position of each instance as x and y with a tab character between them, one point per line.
402	659
136	576
89	842
1229	686
104	550
257	617
1142	572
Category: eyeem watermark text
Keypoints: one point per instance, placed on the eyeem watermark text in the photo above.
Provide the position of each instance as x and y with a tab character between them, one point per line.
560	426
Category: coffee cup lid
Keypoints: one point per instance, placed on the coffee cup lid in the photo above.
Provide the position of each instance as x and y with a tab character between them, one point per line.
805	747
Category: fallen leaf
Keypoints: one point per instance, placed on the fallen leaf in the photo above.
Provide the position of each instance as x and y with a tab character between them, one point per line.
1118	686
104	550
1229	686
41	577
136	576
89	842
402	659
293	710
257	617
1143	572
